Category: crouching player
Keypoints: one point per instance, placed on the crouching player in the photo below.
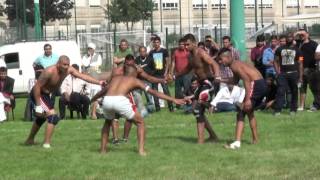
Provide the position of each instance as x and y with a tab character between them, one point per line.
115	101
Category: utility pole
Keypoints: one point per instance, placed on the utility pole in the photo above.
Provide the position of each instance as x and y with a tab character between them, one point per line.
220	23
75	19
161	29
180	18
202	12
261	13
37	20
256	13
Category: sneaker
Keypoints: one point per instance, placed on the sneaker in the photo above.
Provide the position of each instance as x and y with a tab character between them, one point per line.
124	140
312	109
300	109
292	113
276	114
115	141
46	146
234	145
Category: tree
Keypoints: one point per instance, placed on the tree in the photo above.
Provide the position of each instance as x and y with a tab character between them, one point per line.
50	10
130	11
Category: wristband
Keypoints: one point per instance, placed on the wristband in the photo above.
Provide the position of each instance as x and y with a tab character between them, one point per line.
218	77
38	109
147	88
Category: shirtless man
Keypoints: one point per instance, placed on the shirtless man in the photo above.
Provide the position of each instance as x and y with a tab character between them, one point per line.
256	90
203	66
116	102
49	81
129	60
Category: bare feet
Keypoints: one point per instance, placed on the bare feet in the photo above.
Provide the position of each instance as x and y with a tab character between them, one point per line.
94	117
212	139
255	141
103	151
29	142
142	153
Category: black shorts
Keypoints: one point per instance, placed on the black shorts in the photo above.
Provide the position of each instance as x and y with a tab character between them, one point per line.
45	99
257	93
205	91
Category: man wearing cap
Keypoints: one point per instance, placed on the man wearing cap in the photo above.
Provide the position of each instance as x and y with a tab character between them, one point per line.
92	61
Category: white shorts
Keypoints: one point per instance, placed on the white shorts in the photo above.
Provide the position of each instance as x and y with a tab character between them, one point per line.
117	104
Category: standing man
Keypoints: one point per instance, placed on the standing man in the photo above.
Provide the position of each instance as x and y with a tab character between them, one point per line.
308	48
268	57
289	69
255	90
205	69
48	82
91	64
162	62
147	64
92	61
47	59
121	53
315	80
227	44
180	61
257	52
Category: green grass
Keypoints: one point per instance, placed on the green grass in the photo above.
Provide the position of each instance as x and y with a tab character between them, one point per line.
288	149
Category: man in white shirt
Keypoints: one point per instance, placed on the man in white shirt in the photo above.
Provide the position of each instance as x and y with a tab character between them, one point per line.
92	61
74	92
227	98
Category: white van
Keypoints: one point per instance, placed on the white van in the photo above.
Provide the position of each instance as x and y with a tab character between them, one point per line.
19	58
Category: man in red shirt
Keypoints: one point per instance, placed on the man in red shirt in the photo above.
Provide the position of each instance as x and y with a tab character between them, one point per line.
180	61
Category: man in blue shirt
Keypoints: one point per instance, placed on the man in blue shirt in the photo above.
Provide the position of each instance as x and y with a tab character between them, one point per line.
268	57
47	59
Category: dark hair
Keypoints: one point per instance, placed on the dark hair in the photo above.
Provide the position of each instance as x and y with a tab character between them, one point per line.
128	69
75	66
142	47
181	40
208	36
194	78
274	37
46	45
223	50
3	69
226	37
157	38
201	43
260	38
189	37
129	57
283	36
123	40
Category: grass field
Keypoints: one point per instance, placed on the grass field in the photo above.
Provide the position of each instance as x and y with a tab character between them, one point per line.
289	148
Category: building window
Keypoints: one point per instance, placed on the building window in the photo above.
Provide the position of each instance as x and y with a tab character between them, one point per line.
311	4
95	28
216	4
198	4
155	6
169	6
94	3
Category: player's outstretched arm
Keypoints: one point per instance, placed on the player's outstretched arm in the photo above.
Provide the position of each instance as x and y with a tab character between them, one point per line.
84	77
99	94
165	97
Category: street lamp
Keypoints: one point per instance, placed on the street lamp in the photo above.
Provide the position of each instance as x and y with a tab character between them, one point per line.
261	14
75	19
220	22
180	18
202	12
256	14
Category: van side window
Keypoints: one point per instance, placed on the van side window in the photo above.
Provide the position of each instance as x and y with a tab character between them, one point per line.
12	60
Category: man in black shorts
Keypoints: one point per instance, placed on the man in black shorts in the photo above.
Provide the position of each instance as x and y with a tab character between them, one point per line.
48	82
255	87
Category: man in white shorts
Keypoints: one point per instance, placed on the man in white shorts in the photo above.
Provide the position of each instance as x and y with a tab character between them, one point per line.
115	101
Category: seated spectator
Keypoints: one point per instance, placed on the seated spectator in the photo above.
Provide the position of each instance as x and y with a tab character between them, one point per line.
227	98
271	93
7	100
187	108
74	92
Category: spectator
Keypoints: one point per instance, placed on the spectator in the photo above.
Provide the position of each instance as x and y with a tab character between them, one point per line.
162	62
227	44
308	48
147	64
271	93
121	53
91	64
201	45
289	69
7	99
268	57
190	93
74	92
257	52
315	80
210	46
48	58
92	61
227	98
180	61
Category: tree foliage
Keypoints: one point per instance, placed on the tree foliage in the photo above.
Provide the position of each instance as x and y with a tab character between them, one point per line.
130	11
50	10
